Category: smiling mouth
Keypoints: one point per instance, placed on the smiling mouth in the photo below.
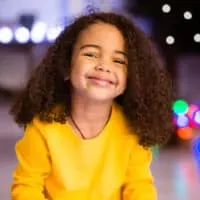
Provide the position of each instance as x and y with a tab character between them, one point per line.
101	81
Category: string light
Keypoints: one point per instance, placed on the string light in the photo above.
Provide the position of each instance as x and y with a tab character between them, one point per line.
38	32
53	33
197	37
182	121
187	15
197	117
180	107
170	40
22	35
166	8
185	133
6	35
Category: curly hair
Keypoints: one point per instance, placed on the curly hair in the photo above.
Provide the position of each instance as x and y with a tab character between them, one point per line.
146	101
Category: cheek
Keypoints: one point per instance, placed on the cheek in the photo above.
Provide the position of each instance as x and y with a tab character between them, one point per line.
75	74
81	66
123	78
76	69
78	72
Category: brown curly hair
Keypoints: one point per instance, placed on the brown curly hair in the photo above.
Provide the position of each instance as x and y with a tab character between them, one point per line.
146	101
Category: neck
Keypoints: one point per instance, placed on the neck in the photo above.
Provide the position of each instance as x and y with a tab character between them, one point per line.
89	116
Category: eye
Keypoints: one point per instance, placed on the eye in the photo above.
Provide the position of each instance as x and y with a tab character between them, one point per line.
92	55
119	61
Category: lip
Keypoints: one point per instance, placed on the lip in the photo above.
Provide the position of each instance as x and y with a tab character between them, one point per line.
101	79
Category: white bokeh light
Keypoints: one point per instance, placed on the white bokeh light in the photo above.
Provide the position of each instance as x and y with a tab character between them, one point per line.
6	35
170	40
197	117
187	15
53	33
197	37
38	32
22	35
166	8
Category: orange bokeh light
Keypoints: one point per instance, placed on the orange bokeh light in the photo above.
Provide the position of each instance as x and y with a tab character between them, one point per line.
185	133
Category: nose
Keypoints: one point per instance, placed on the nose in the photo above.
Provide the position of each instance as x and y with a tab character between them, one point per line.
102	67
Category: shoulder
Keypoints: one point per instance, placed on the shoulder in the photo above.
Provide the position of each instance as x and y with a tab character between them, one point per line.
37	123
40	127
43	132
40	124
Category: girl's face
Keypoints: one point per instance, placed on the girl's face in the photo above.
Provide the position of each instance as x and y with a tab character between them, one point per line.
99	63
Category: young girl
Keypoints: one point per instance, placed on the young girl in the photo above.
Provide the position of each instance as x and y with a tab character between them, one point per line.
95	106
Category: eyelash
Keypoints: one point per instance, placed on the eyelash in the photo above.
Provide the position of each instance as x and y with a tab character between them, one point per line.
95	56
90	55
119	62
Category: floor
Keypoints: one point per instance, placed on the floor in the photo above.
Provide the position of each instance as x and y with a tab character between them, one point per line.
176	171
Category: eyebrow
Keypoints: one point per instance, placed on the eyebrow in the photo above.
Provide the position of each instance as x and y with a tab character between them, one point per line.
98	47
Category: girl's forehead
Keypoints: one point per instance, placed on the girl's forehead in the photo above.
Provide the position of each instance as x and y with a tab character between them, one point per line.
101	31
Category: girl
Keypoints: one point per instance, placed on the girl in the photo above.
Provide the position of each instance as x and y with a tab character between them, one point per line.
95	105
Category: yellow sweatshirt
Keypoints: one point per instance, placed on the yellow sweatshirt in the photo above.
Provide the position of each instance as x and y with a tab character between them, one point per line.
55	164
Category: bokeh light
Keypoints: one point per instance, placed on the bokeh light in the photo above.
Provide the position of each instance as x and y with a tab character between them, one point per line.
22	35
191	111
180	107
185	133
196	117
6	35
182	121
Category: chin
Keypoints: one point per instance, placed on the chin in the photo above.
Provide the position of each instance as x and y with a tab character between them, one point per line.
100	97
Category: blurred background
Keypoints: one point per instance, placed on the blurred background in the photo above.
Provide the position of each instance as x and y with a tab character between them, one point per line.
27	28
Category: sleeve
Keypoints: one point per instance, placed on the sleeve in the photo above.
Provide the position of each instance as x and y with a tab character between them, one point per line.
32	168
139	183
